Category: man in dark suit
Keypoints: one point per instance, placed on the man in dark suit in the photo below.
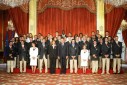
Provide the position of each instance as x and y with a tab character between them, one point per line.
57	43
63	54
73	55
29	45
22	56
106	50
117	50
43	50
79	50
10	57
100	53
53	54
94	52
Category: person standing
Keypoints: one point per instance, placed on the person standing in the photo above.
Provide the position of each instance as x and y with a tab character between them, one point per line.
43	52
79	51
84	58
117	50
33	57
63	54
94	52
22	56
106	50
53	53
73	54
100	53
10	57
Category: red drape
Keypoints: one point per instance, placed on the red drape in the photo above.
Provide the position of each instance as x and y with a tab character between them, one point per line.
113	20
75	21
20	20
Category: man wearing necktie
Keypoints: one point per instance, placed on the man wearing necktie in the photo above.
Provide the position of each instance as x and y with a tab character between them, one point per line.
117	50
10	57
106	51
22	56
63	55
94	51
43	56
73	54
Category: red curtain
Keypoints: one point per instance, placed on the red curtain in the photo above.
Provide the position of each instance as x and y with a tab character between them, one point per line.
20	20
113	20
78	20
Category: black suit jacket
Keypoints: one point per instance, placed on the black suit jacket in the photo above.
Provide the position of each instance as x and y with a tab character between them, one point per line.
79	49
73	51
106	50
10	53
117	49
63	50
53	52
15	45
23	52
100	46
43	50
94	51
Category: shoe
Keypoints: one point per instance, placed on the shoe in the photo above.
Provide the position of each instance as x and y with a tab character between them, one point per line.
114	72
102	73
118	72
107	73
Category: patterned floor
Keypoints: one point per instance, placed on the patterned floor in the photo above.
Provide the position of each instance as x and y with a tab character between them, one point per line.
62	79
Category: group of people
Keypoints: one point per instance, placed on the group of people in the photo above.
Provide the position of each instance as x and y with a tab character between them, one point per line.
64	51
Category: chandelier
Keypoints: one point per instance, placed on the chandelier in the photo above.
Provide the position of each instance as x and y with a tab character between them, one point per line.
13	3
116	3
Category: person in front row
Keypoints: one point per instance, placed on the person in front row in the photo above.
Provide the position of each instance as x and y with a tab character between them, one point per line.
63	54
73	54
117	50
22	56
33	57
94	51
84	58
10	57
106	50
53	54
43	55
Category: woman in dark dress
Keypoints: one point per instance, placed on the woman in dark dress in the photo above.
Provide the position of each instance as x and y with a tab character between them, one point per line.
53	53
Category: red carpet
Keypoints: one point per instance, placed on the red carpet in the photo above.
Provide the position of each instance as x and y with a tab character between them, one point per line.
89	71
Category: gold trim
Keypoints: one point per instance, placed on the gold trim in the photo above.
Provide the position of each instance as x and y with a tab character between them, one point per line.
46	7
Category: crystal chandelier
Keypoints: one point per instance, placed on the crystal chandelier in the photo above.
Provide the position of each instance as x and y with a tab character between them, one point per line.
13	3
116	3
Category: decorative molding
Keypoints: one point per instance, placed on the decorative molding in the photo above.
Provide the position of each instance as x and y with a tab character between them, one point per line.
64	5
68	5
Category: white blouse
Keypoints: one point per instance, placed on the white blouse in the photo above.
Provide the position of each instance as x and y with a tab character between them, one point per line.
33	52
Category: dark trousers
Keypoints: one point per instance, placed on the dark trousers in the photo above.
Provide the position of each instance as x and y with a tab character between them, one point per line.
63	65
52	65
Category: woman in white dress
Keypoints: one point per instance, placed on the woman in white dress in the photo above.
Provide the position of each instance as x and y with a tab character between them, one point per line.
33	57
84	58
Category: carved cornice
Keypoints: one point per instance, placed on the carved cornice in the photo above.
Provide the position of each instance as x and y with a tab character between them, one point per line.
64	5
